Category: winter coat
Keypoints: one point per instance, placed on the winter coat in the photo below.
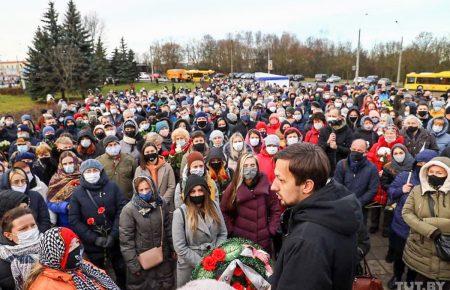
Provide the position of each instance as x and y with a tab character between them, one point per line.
83	152
320	233
106	194
312	136
256	215
121	173
141	232
9	133
131	149
420	251
367	135
166	183
422	140
191	246
6	277
44	171
442	138
363	183
266	164
344	139
243	128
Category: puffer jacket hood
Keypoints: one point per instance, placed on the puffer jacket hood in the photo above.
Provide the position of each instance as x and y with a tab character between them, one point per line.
443	162
86	133
337	212
363	119
443	131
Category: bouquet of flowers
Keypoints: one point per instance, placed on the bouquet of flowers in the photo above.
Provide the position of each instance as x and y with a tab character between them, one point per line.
4	146
238	262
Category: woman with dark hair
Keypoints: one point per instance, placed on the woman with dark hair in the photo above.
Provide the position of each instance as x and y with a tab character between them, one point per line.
145	224
61	265
255	140
197	227
251	210
62	185
217	168
155	166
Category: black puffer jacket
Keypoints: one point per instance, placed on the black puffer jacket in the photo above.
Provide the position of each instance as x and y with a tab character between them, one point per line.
344	139
320	235
421	140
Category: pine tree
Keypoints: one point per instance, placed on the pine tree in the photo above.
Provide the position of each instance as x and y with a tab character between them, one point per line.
122	72
132	71
115	63
100	62
51	26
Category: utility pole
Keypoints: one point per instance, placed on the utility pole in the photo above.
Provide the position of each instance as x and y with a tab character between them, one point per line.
399	59
268	60
357	54
231	58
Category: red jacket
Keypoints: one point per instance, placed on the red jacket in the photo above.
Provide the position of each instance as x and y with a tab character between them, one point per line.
312	136
266	164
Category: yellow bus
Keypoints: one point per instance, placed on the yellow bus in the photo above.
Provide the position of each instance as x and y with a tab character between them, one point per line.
177	75
429	81
200	75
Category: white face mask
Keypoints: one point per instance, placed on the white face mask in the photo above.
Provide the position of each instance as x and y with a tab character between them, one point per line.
399	158
272	150
238	146
30	176
69	169
437	129
29	236
19	188
181	143
298	117
113	150
292	140
254	141
145	126
318	126
85	143
113	111
272	109
110	132
92	177
198	171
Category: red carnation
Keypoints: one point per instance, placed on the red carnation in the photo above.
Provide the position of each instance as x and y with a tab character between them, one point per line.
238	272
101	210
218	255
238	286
90	221
209	263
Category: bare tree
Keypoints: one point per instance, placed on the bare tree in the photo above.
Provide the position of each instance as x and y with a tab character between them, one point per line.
94	25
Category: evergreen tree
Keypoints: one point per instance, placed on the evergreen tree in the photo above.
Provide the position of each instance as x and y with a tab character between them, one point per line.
132	70
51	26
115	64
122	72
100	63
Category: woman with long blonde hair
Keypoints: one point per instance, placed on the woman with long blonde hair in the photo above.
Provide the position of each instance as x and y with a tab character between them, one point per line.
234	149
197	227
251	210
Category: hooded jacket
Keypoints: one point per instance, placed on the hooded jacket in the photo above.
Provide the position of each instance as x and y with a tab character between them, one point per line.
344	139
320	232
420	250
93	151
421	140
442	137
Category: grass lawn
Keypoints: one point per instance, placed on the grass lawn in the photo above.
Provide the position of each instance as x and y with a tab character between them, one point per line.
12	104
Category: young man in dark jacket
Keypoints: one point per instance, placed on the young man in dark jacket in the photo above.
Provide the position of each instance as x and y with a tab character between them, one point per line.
320	225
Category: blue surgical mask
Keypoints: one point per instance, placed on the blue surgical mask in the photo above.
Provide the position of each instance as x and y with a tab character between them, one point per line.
22	148
146	196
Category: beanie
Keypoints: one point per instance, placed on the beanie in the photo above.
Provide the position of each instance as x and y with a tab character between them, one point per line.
48	129
192	181
272	140
161	125
232	117
194	156
201	115
10	199
90	163
216	133
109	139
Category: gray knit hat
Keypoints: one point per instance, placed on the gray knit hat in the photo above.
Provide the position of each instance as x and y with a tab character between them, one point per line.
109	139
272	140
90	163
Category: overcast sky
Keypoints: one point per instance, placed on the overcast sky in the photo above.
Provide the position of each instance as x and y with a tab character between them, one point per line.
143	21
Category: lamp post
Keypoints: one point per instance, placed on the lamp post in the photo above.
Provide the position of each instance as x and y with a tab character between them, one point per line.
399	58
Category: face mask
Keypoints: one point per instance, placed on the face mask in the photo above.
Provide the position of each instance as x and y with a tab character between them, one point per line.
399	158
254	141
110	133
356	156
100	135
19	188
435	181
222	129
297	117
23	135
69	169
150	157
130	134
29	236
338	105
389	140
437	129
145	126
146	196
173	107
272	150
75	258
292	140
30	176
181	143
113	150
133	110
197	199
198	171
164	132
272	109
238	146
201	124
113	111
22	148
349	105
92	177
9	123
318	126
368	127
216	165
375	120
412	129
200	147
422	113
353	118
249	173
85	143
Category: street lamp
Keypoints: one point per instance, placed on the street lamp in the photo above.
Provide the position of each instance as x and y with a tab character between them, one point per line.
358	51
399	56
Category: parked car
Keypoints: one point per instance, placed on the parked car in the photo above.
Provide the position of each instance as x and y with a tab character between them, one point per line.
384	81
218	75
333	79
359	80
299	78
373	79
143	76
247	76
291	77
163	79
321	77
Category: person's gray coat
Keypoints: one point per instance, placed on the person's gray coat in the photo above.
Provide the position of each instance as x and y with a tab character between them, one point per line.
139	233
191	246
166	183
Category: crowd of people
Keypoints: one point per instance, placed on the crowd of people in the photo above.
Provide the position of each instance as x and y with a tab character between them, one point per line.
129	190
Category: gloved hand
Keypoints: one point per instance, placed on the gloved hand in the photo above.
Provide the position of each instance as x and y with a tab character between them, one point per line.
100	242
436	234
109	242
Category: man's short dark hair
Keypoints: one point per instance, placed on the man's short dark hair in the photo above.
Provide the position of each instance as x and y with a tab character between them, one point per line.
197	134
307	161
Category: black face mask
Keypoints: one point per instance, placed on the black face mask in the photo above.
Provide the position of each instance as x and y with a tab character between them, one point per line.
150	157
412	130
216	165
50	137
200	147
130	134
222	129
422	113
197	199
47	161
356	156
353	119
201	124
75	258
435	181
100	136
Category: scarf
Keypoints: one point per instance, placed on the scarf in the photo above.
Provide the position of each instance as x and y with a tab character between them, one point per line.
52	251
22	259
143	207
153	169
62	185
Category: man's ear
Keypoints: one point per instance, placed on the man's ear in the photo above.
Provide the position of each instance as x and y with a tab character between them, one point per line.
309	187
8	235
